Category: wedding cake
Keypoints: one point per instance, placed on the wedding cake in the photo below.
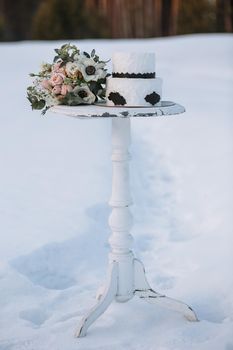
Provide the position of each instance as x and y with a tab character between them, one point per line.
133	82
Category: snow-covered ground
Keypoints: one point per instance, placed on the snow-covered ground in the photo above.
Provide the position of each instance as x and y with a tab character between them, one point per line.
55	181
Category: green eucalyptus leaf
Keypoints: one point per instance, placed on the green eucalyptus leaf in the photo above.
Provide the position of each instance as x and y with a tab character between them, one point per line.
105	61
102	81
96	58
95	87
64	46
86	54
36	104
55	59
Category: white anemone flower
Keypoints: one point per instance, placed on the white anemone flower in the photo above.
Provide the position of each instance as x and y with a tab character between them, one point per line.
91	70
84	93
79	56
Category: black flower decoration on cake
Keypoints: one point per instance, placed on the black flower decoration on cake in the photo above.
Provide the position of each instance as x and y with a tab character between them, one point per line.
117	98
152	98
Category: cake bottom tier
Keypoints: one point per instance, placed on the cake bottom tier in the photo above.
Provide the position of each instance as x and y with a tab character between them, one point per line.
133	92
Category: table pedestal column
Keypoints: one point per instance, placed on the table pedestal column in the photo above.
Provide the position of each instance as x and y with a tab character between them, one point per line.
126	275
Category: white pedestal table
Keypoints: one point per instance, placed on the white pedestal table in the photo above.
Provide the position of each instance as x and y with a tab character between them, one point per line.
126	274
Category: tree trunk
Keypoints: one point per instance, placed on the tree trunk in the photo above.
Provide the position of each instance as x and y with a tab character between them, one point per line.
224	14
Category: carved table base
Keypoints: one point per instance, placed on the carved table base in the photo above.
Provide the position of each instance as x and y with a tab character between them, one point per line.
126	275
141	289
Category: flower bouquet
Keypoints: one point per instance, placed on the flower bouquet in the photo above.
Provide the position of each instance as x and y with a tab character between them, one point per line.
72	79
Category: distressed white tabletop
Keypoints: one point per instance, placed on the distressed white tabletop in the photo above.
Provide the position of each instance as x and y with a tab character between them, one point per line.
100	110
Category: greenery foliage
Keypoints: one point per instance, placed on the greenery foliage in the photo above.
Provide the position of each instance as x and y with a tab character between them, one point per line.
198	18
66	19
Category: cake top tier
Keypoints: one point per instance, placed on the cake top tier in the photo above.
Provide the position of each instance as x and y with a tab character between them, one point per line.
133	62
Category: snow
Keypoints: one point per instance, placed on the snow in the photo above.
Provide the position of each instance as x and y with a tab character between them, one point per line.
55	181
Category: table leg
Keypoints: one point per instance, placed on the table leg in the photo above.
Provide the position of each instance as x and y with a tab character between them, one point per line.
144	291
104	301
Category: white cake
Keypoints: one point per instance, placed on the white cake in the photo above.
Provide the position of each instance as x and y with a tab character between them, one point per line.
133	82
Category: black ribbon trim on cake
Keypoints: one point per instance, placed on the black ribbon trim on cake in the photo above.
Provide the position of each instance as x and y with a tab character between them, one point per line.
134	75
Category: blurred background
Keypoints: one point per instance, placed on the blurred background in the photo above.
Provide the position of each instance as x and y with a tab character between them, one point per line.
81	19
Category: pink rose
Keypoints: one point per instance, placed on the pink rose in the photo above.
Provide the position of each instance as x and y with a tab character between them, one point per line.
65	89
56	79
56	90
57	69
45	84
